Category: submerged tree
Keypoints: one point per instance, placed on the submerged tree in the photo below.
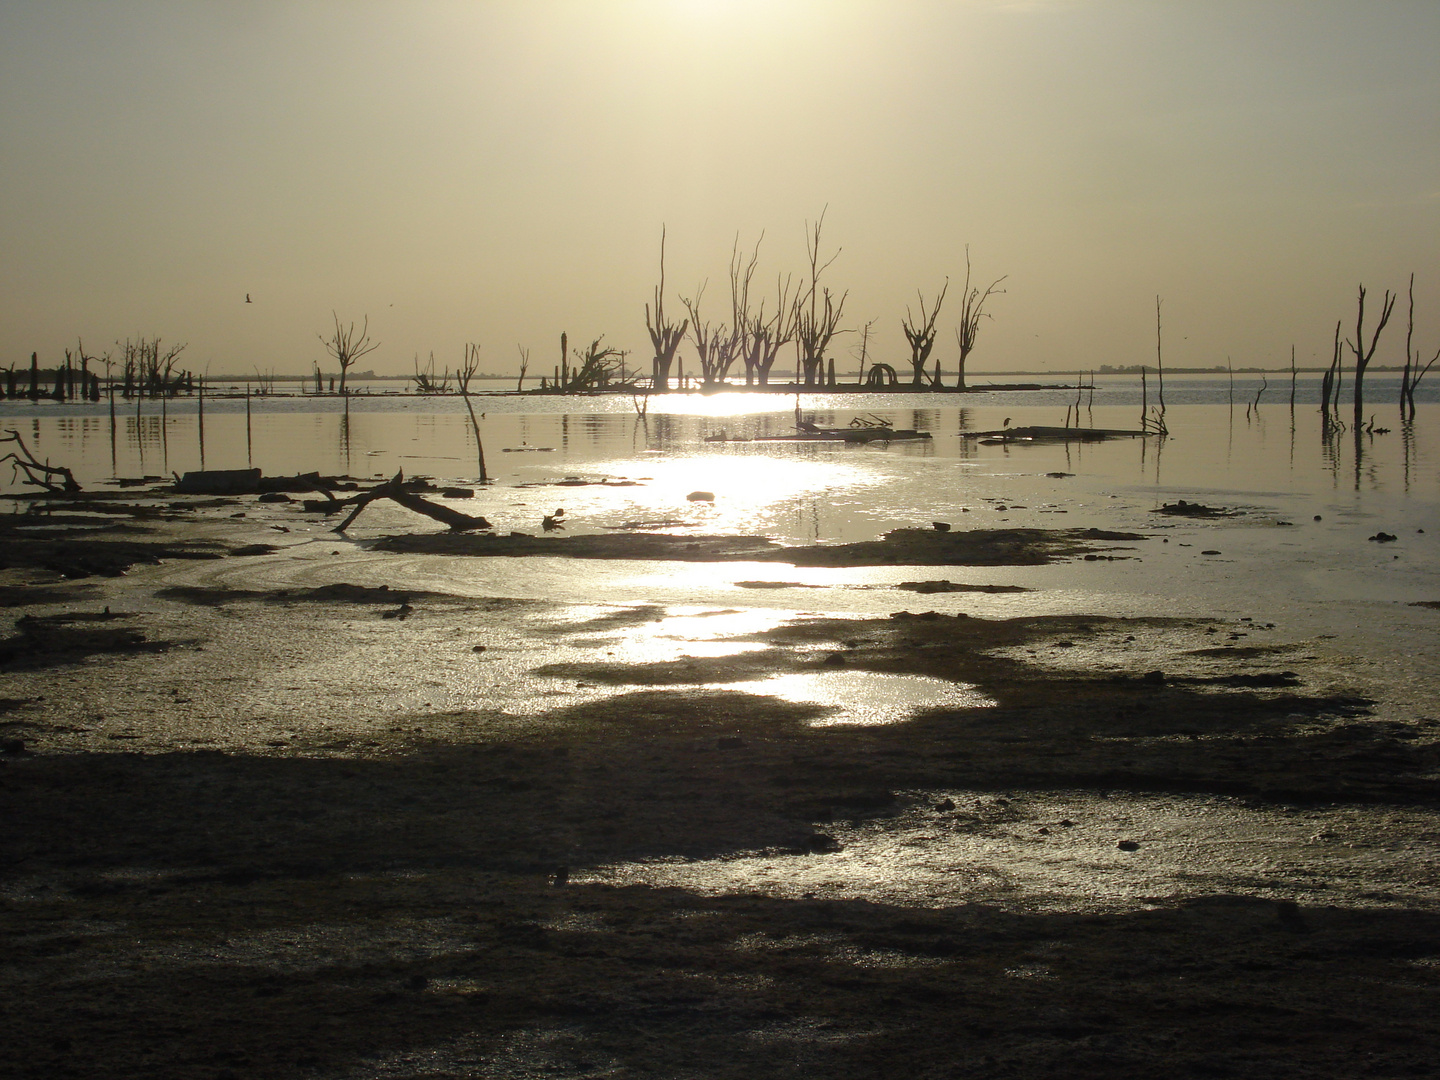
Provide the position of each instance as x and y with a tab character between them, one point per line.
1363	355
594	367
715	345
972	310
346	345
463	374
1413	372
665	336
819	309
524	366
920	334
767	336
1329	390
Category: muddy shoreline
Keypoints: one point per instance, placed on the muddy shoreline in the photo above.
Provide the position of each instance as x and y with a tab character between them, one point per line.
250	837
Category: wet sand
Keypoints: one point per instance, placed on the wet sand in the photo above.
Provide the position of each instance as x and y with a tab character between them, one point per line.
358	830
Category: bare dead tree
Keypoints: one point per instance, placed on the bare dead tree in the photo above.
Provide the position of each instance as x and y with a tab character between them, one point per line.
1420	373
819	309
1409	341
921	334
1413	371
1363	355
594	366
1328	387
463	374
972	310
864	351
717	346
524	366
426	381
1159	363
347	345
665	336
741	344
769	336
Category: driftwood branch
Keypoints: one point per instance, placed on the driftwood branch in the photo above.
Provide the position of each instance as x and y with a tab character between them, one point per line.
394	490
37	472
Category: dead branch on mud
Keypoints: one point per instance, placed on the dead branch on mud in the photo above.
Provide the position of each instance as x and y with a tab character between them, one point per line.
394	490
37	472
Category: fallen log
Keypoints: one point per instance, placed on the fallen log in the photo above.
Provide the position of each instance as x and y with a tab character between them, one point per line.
219	482
394	490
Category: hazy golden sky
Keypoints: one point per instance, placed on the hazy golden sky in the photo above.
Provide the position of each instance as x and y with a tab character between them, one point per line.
500	171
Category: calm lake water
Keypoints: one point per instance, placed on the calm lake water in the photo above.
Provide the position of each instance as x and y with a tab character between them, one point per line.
1297	555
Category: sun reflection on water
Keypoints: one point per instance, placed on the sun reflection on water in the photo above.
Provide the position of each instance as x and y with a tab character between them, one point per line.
867	698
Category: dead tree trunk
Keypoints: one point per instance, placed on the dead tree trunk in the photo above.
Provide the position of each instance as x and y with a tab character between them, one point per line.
1363	355
921	334
665	336
347	346
820	312
463	375
972	310
1327	382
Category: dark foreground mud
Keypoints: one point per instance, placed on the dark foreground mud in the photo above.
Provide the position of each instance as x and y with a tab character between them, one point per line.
235	847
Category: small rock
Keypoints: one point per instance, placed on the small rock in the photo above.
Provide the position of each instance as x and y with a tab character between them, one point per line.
940	526
1210	551
1155	678
1128	845
457	493
834	660
729	742
1384	538
1066	823
821	843
701	496
274	497
1059	475
478	648
945	804
417	982
12	746
1317	517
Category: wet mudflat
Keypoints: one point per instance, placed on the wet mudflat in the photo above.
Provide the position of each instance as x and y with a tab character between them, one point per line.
344	827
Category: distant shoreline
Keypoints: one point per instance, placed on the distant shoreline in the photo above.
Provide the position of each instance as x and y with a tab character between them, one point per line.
842	376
